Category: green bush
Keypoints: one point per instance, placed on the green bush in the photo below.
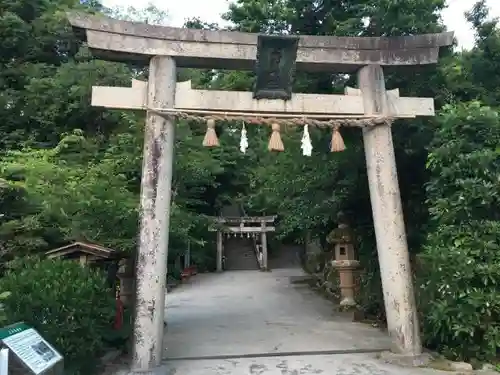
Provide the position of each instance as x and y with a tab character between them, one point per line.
3	316
460	264
70	305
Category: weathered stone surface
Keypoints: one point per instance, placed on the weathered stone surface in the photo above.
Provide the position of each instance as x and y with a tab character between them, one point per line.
250	312
111	356
460	366
251	319
134	97
387	211
111	25
160	370
238	315
488	367
121	40
156	181
275	66
421	360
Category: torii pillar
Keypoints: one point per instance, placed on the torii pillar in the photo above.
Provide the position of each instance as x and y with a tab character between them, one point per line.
156	186
388	219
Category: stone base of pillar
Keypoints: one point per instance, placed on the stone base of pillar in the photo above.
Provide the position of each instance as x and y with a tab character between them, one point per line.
407	360
161	370
348	302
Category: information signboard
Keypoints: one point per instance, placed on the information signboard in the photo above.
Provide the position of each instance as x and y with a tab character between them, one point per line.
30	348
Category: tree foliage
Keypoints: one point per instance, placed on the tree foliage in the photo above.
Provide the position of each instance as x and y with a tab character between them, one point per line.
460	261
71	171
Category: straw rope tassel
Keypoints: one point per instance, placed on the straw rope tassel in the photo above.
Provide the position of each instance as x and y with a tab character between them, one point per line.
275	142
337	141
210	139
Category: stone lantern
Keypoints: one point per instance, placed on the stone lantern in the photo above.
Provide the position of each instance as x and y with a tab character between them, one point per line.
345	260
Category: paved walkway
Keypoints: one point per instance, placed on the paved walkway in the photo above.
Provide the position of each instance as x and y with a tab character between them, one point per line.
260	323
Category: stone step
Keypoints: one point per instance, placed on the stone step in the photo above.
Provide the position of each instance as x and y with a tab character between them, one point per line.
240	255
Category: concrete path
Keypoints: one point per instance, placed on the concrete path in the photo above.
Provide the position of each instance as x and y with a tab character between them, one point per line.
252	322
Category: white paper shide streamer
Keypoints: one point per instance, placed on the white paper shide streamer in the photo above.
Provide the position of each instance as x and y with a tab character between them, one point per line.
306	142
243	140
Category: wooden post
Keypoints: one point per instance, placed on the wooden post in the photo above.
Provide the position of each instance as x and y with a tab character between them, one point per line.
264	245
392	247
83	259
219	251
187	257
126	275
156	186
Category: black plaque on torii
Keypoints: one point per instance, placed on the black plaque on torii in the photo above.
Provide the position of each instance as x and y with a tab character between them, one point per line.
275	66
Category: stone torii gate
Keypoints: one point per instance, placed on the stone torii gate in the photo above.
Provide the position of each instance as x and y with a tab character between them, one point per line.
166	48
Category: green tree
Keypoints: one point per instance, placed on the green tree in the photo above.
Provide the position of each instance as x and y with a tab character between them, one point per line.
71	171
460	262
36	41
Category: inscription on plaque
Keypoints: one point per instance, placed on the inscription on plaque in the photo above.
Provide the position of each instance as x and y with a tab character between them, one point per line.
275	66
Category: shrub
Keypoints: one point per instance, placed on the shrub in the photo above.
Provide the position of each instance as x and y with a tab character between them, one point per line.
70	305
460	268
3	316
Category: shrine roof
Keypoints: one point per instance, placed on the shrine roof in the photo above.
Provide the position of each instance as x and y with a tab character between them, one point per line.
113	39
82	247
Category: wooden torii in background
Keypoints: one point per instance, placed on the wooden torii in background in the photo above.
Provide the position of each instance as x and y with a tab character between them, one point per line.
164	49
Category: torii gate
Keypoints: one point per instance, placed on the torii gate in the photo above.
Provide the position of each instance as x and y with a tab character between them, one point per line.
247	225
369	107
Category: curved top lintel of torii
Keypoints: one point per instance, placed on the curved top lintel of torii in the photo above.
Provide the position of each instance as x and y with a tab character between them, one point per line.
117	40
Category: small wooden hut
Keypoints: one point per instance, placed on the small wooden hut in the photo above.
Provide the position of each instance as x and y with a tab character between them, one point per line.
85	253
93	255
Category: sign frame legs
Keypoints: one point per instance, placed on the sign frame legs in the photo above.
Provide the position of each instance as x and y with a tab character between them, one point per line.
4	361
156	185
392	247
